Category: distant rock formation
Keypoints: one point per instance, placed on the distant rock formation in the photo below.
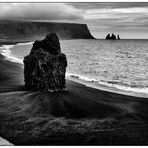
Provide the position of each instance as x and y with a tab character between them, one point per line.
108	37
45	66
112	37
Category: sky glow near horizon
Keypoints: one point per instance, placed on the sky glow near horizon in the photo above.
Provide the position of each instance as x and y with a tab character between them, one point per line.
130	20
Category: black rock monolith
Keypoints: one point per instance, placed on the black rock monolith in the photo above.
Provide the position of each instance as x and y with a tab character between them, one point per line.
45	66
108	37
113	37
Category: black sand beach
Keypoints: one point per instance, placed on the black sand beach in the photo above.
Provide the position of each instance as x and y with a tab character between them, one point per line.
80	115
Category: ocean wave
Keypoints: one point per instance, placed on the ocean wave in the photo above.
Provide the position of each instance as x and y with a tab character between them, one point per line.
81	77
6	52
112	84
27	43
125	87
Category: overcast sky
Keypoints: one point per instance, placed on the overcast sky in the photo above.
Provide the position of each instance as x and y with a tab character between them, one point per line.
130	20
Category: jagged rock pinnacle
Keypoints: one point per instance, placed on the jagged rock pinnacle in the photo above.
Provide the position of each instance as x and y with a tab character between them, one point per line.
45	66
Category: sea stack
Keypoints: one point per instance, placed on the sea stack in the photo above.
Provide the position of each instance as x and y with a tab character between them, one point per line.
112	37
45	66
108	37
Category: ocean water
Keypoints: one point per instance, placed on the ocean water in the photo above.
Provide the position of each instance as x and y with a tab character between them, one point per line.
121	64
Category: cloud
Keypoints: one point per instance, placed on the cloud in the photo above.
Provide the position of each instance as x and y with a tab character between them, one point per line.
129	19
114	13
111	5
118	17
101	17
39	11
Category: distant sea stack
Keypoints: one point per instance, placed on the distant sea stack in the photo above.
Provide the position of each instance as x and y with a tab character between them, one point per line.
112	37
45	66
21	29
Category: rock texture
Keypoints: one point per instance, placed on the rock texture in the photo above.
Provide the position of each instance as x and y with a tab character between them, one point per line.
45	66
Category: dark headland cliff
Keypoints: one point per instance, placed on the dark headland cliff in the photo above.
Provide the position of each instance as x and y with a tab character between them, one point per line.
25	29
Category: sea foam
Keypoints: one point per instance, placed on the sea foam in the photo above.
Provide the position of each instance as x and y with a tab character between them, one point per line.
111	85
7	53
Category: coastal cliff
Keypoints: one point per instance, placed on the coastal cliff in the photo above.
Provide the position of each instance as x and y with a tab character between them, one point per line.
24	29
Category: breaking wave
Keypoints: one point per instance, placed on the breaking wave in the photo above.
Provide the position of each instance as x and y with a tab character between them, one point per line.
112	84
7	53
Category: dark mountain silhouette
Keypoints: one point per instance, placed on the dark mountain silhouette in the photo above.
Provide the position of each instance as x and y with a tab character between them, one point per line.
21	29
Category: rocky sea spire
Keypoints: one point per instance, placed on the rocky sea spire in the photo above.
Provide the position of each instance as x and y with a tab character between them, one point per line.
108	37
45	66
112	37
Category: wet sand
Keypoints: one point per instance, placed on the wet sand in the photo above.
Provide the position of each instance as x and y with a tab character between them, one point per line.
80	115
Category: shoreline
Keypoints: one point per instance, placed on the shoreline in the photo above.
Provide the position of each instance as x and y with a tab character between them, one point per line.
81	115
98	117
79	79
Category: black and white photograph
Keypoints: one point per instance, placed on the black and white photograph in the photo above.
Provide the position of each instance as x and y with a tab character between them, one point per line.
74	73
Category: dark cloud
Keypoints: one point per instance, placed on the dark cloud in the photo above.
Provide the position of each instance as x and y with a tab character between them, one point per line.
39	11
102	17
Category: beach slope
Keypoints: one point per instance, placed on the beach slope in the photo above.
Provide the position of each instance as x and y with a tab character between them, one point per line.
80	115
